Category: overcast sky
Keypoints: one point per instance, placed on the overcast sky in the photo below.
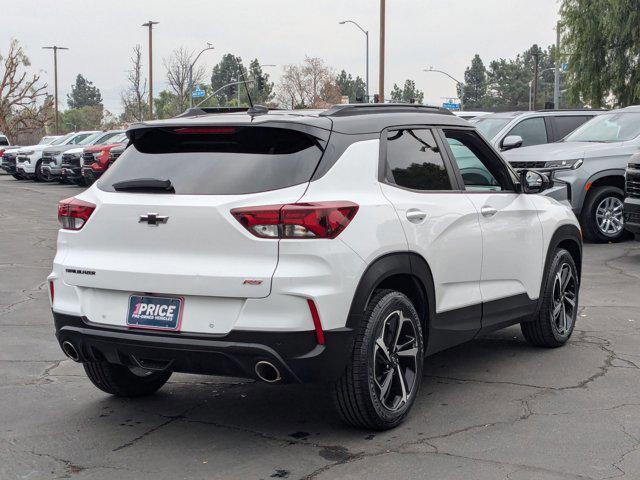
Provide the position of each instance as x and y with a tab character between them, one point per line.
442	33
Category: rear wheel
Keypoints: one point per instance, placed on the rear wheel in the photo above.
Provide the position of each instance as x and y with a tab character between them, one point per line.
124	381
553	324
602	216
383	377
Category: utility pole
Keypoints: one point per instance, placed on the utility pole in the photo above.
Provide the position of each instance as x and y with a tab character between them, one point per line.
556	76
55	49
536	57
382	33
150	25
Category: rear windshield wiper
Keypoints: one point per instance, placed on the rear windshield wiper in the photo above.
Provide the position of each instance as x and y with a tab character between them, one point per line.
144	185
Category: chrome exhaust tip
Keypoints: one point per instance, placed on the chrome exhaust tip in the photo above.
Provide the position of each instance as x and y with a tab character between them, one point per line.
267	372
70	351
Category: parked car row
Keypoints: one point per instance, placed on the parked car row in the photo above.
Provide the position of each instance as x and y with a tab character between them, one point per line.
62	158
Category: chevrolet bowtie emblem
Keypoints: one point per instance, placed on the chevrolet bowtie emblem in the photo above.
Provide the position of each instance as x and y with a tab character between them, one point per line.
153	219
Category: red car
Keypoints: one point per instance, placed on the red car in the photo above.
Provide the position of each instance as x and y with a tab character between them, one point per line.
98	158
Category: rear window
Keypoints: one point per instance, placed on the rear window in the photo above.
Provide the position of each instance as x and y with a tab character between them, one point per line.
218	160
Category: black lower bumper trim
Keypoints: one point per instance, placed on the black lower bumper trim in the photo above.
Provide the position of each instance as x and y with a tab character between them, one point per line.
632	215
296	354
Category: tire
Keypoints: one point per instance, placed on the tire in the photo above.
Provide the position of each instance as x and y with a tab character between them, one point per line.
38	172
547	328
358	395
121	381
607	201
17	176
81	182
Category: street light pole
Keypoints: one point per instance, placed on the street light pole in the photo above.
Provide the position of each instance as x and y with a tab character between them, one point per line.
55	49
458	82
381	68
208	47
150	25
556	76
366	34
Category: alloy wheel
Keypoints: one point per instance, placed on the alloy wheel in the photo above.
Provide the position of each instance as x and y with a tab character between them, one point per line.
564	300
395	361
609	216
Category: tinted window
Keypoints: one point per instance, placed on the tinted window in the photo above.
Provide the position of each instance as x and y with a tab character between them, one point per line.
490	126
608	127
565	125
232	160
481	170
4	141
532	131
414	160
78	138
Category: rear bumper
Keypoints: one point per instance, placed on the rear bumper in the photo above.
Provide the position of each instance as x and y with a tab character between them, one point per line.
296	354
632	215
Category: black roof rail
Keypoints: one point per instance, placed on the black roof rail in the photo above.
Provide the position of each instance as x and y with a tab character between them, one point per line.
196	111
572	110
349	109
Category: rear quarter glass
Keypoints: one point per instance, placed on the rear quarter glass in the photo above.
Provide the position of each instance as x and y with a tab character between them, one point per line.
219	161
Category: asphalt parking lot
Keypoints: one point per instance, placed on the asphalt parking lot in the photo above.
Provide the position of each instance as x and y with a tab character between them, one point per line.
491	409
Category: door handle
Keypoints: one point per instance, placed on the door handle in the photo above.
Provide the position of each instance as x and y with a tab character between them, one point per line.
416	216
488	211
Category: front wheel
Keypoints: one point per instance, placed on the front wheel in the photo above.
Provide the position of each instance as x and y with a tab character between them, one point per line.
553	324
602	216
17	176
383	377
124	381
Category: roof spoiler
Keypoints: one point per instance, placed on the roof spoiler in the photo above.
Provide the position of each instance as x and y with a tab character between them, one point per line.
198	111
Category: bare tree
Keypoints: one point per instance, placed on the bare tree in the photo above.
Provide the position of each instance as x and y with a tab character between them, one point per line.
134	97
24	104
177	66
309	85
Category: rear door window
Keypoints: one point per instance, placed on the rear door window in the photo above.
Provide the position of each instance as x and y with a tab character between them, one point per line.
564	125
414	160
532	130
218	160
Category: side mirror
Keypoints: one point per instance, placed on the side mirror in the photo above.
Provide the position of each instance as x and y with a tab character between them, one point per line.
511	141
534	182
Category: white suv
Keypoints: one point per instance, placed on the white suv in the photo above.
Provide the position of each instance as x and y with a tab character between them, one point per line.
339	246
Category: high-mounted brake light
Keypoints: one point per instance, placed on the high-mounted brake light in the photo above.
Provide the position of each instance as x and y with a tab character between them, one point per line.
73	213
297	220
204	130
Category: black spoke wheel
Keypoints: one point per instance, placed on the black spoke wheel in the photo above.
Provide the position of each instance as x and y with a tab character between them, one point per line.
553	324
383	377
395	361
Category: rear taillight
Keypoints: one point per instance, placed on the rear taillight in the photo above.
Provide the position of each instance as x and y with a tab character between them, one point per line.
73	213
51	290
297	220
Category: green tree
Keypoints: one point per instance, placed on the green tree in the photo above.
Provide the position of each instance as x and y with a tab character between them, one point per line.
601	44
475	84
355	89
408	94
84	94
226	71
85	118
167	105
261	88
